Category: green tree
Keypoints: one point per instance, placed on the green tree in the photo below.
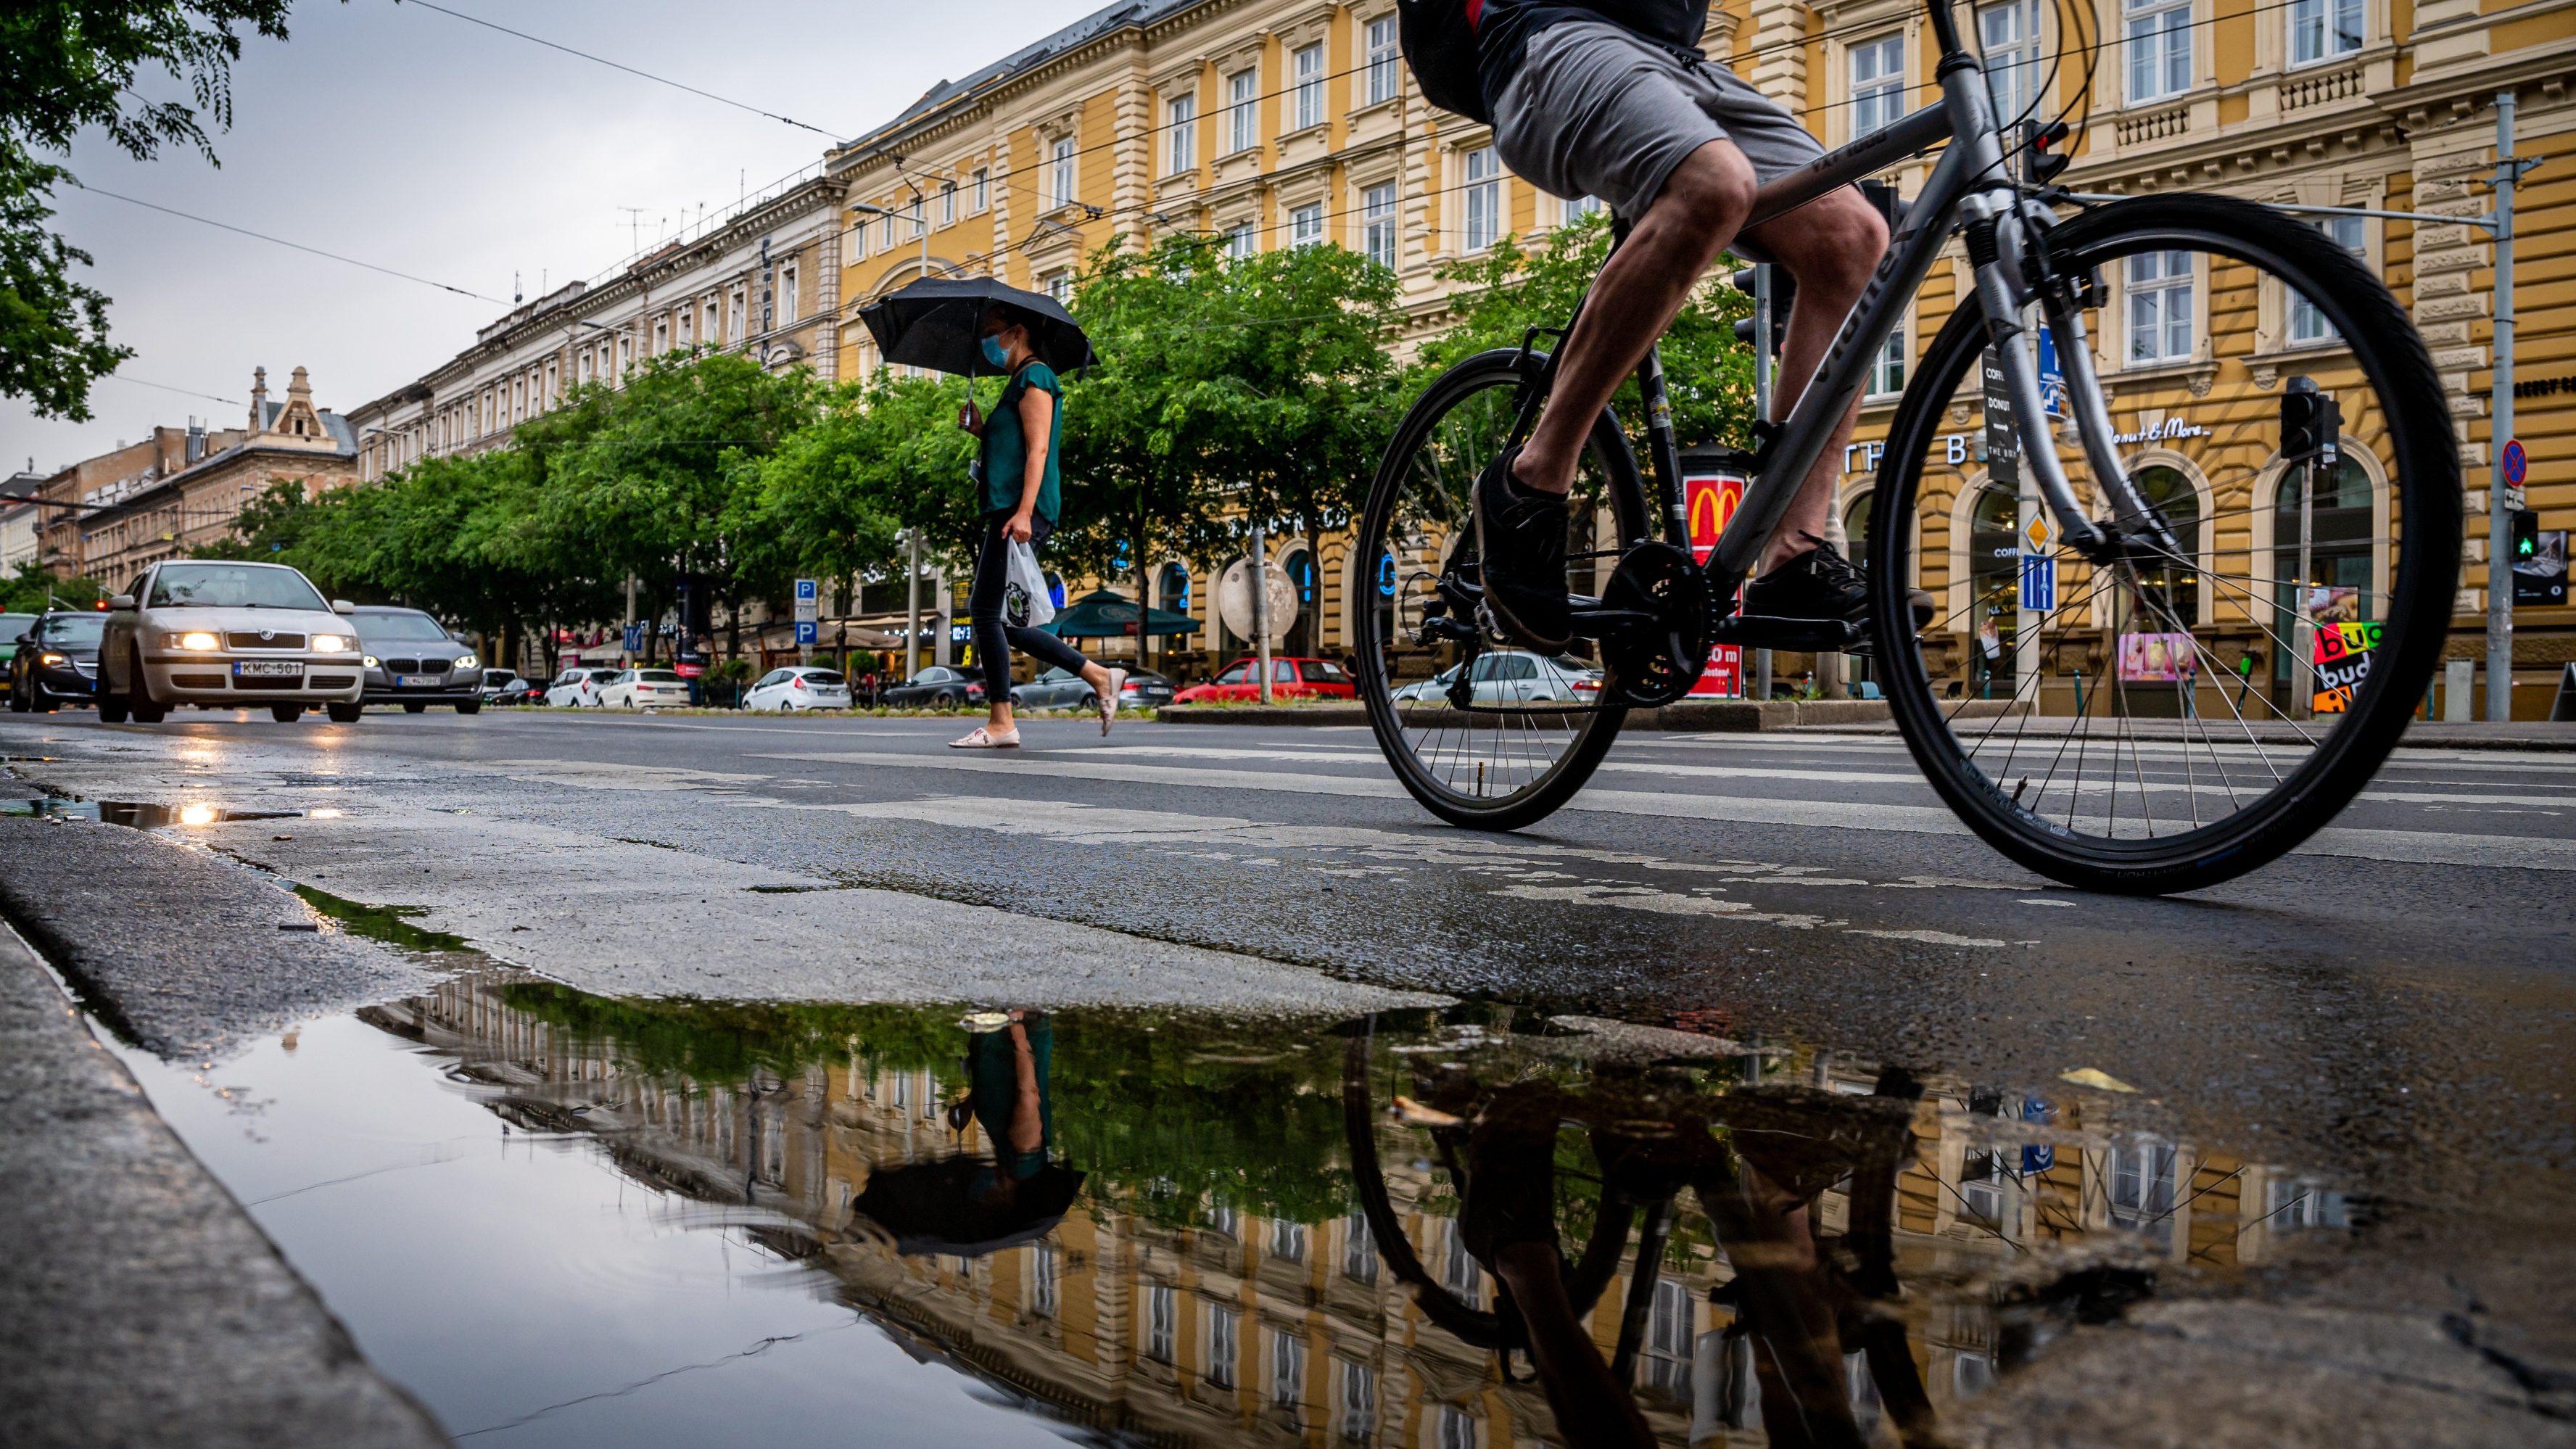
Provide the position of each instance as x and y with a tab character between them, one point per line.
883	456
1515	286
76	64
32	590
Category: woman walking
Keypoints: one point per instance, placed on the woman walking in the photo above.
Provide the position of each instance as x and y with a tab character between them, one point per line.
1019	484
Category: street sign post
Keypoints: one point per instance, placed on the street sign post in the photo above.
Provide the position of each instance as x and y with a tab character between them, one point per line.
634	640
807	634
808	604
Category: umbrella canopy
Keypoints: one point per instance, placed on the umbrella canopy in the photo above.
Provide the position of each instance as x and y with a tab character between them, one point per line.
966	1206
938	323
1106	614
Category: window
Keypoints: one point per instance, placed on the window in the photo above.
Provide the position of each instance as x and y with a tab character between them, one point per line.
1240	242
2172	589
662	334
1221	1326
1359	1400
1287	1369
2158	35
2340	551
1377	224
948	203
1182	117
2302	1205
1060	174
1670	1340
1385	59
979	188
2010	33
1288	1241
1359	1249
581	367
1581	207
1887	370
734	315
2141	1184
1458	1271
1457	1428
1484	199
1044	1272
2323	29
1162	1320
2160	313
1877	83
2307	322
1059	285
1306	225
787	289
1242	95
686	317
1308	100
707	322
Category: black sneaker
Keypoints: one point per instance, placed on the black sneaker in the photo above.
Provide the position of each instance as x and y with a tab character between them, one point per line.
1520	540
1820	584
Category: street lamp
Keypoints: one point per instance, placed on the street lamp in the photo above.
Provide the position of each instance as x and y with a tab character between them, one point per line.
921	219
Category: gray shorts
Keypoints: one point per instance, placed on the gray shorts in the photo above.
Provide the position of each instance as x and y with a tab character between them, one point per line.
1596	110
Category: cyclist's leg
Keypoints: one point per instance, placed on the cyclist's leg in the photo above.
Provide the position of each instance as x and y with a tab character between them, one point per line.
1830	246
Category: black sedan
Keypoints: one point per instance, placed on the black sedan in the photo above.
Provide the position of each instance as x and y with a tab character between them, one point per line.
938	687
57	661
1064	689
412	660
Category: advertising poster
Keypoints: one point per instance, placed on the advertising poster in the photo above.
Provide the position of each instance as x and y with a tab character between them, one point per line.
2157	658
1709	500
2541	578
2334	604
2342	661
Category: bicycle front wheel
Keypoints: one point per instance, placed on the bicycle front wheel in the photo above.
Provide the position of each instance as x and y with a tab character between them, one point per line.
1518	736
2168	721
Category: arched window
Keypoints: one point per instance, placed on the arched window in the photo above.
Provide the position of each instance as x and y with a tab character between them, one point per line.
1856	527
1172	590
1994	579
2339	551
2174	588
1299	641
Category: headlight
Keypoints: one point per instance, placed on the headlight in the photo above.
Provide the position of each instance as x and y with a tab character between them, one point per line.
330	643
51	659
370	659
465	661
195	639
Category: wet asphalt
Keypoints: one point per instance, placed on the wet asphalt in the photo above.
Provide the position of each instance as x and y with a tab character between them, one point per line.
2390	1009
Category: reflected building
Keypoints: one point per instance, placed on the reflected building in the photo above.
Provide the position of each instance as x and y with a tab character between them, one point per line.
1157	1312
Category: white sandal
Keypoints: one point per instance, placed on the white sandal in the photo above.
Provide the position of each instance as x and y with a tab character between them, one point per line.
982	738
1109	698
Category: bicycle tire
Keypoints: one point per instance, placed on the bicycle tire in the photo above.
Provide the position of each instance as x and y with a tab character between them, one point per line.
1623	493
2424	497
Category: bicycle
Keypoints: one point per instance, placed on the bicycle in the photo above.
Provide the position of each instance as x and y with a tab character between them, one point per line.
2140	792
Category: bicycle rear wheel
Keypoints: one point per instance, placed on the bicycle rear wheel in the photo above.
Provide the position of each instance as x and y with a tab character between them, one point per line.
2176	719
1532	729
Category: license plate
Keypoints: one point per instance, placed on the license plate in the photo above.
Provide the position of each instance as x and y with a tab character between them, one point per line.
417	681
267	669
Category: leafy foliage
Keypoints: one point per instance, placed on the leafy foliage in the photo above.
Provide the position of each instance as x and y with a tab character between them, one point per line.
31	590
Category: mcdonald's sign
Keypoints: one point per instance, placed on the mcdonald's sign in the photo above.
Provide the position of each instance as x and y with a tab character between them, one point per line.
1708	501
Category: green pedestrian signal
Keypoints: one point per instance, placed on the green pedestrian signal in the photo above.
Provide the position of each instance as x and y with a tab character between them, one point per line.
2526	535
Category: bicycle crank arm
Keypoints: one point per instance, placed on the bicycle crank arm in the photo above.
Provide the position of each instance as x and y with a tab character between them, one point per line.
1762	631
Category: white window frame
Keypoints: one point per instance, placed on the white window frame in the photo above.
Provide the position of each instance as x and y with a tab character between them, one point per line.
1877	71
1061	177
1242	240
979	196
948	203
1243	105
1481	172
1306	225
1059	285
2306	326
1385	59
2163	292
1378	224
2010	34
2325	30
1224	1344
2156	43
737	315
1888	369
1573	211
787	313
1162	1322
1307	100
1287	1369
1181	114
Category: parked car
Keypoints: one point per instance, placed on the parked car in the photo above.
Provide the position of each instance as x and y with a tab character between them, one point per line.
412	660
56	662
11	627
644	689
800	687
1064	689
1290	678
501	686
1512	676
578	686
225	635
938	687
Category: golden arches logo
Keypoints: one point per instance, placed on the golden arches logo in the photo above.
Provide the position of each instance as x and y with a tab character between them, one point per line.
1712	503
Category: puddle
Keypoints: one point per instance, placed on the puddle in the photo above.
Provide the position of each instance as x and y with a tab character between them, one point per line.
566	1219
143	815
389	924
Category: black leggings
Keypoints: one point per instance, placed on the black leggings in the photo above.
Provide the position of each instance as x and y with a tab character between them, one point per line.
995	637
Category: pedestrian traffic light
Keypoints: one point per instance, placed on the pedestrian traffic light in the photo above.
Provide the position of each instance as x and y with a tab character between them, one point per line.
1784	292
2311	424
2526	535
2040	143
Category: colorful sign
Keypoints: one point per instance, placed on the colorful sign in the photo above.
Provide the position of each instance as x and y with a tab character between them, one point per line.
2157	658
1708	501
2341	656
2515	463
2039	582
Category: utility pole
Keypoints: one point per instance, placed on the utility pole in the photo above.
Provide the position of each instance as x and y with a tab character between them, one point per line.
1261	606
1762	411
912	605
2499	506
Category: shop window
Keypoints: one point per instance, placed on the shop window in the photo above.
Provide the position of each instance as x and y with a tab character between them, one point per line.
2341	547
1994	583
2170	592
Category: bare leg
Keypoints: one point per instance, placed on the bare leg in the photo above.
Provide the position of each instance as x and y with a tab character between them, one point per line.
1830	245
998	717
1635	299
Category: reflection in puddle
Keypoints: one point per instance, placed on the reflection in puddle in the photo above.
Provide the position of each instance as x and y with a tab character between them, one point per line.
143	815
1125	1227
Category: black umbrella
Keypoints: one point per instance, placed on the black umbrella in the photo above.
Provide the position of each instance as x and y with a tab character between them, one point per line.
938	323
967	1206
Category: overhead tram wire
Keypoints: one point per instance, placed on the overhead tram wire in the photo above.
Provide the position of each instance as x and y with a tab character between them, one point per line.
181	391
277	240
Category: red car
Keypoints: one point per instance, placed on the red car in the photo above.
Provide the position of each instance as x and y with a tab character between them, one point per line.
1289	679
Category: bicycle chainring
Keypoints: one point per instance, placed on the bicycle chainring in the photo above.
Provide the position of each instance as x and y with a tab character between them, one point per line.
1656	664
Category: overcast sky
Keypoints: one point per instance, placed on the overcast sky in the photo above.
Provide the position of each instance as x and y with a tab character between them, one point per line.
419	142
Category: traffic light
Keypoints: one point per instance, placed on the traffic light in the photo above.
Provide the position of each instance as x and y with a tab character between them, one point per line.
2040	142
1784	292
2526	535
2311	424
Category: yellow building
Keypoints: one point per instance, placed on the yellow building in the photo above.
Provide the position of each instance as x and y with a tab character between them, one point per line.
1280	122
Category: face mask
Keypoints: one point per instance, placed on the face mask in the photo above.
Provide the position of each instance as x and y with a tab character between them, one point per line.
994	352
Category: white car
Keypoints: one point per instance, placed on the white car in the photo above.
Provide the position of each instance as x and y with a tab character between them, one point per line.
799	688
578	687
644	689
1512	676
208	632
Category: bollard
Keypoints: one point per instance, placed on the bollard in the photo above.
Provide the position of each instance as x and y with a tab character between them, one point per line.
2459	687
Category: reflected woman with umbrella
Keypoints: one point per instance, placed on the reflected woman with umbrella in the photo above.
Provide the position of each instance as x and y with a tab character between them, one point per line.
1026	337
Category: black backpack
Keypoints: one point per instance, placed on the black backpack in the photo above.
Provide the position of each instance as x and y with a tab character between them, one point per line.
1439	38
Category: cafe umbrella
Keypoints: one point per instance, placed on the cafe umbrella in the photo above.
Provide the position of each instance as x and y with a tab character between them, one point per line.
938	323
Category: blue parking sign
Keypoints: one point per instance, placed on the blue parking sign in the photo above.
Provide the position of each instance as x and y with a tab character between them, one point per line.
2038	582
804	589
807	632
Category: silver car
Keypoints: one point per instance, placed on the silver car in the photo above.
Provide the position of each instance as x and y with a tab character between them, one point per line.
412	660
198	631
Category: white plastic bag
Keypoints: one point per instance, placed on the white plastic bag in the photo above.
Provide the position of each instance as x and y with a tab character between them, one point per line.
1025	600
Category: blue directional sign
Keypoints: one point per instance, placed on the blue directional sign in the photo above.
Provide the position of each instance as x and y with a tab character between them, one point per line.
634	638
807	632
2052	377
2038	582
